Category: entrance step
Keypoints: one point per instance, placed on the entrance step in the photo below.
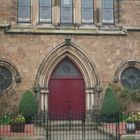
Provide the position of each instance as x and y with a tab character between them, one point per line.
71	125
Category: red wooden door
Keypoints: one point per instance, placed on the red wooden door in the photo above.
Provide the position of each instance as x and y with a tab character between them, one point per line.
67	91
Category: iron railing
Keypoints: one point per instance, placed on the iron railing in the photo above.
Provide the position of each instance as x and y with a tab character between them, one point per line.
77	126
74	126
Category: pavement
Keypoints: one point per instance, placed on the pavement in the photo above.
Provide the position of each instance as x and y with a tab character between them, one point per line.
130	137
23	138
123	137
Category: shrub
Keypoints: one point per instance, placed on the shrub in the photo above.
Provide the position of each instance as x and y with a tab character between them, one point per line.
111	106
28	106
5	118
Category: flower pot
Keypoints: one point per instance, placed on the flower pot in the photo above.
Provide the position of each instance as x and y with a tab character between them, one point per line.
130	128
17	127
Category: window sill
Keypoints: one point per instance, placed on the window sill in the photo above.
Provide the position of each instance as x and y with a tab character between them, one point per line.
23	26
64	31
45	25
88	26
42	28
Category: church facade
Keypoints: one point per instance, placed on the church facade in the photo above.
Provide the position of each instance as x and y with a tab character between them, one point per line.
68	51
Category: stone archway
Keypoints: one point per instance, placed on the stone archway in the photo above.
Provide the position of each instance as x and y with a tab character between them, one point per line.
87	68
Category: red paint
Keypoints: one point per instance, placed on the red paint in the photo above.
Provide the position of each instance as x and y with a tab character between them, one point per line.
67	95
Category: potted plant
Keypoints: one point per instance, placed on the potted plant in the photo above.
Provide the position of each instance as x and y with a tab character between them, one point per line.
28	106
111	107
130	124
137	120
17	123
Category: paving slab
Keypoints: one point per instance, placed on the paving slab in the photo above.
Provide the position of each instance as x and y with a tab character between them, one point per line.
130	137
23	138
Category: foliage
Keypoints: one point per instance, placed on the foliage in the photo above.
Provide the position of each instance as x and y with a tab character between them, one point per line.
111	106
133	117
5	118
125	96
28	106
19	118
10	118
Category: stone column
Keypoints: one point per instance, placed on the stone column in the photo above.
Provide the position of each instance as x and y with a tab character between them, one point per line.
56	12
44	99
77	12
89	98
98	12
34	12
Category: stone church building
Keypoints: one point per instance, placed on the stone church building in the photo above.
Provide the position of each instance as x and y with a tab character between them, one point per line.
68	51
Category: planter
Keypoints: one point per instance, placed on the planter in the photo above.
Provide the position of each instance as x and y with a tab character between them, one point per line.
137	123
17	127
130	128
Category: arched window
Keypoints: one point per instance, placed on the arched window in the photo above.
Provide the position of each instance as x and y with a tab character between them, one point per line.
66	68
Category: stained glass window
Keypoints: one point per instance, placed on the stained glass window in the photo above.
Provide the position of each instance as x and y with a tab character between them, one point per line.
45	10
66	11
87	11
130	78
108	11
66	68
5	78
24	10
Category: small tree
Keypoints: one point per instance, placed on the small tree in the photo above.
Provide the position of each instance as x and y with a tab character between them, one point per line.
28	106
111	106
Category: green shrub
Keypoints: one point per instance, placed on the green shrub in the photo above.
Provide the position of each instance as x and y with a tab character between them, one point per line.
5	118
28	106
111	106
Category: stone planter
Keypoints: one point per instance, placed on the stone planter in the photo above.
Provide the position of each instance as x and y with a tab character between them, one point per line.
130	128
17	127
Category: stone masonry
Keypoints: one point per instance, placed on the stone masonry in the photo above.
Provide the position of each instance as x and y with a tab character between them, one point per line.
26	46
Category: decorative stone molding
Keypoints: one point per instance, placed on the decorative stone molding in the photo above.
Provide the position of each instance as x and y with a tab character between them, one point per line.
99	89
16	78
44	91
74	53
124	65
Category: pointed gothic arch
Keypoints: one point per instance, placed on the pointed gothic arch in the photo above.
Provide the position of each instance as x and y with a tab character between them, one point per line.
85	65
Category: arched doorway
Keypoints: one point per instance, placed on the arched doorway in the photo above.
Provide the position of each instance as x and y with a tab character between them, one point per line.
83	64
66	91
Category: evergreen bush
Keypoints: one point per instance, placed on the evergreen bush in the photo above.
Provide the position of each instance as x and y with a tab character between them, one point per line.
111	106
28	106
